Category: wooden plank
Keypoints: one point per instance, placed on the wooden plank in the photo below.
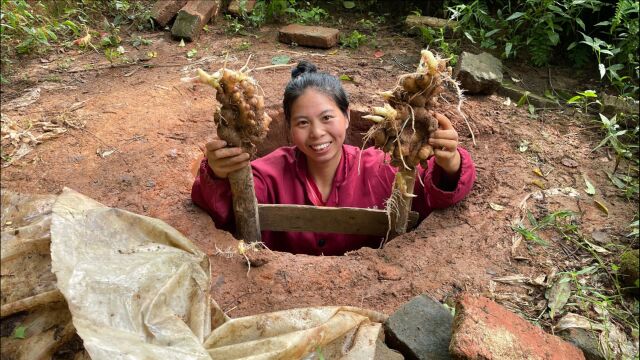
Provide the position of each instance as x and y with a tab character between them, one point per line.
345	220
245	205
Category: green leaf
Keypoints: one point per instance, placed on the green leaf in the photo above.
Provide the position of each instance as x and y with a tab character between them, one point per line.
469	37
615	180
532	109
515	15
580	23
345	77
280	59
554	38
574	99
524	98
20	332
590	189
602	70
507	49
349	4
557	296
191	53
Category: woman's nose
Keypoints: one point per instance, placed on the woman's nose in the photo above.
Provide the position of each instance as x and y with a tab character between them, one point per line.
317	129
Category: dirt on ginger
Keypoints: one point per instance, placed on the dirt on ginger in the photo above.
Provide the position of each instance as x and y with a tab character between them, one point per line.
240	119
407	119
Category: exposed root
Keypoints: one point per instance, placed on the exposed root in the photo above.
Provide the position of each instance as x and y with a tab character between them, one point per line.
241	249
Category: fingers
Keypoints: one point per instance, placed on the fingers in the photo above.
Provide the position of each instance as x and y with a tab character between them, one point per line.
445	134
443	144
215	144
444	154
228	164
443	122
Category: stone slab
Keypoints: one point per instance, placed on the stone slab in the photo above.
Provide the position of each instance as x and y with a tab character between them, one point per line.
192	18
311	36
420	329
163	11
482	329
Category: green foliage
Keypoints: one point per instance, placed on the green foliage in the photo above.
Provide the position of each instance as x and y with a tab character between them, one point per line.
33	27
353	40
274	11
436	38
543	29
585	100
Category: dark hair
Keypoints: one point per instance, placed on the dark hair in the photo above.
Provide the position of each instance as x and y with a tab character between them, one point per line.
306	75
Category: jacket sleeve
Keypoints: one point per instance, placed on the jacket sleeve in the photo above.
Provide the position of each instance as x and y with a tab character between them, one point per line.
441	190
213	195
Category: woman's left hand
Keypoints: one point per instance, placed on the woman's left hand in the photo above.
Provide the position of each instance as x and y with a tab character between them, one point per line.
445	145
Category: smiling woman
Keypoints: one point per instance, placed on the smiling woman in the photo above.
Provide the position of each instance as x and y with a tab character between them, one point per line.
321	170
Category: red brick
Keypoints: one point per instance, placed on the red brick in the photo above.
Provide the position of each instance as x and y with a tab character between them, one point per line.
164	10
192	18
234	7
311	36
485	330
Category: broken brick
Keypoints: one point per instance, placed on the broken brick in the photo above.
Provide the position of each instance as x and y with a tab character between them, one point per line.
311	36
192	18
163	11
482	329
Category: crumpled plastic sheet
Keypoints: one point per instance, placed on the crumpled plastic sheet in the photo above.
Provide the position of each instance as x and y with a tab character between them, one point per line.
30	300
138	289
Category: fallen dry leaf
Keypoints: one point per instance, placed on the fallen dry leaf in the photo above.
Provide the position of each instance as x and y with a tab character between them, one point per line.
571	320
602	206
496	207
538	183
569	162
558	295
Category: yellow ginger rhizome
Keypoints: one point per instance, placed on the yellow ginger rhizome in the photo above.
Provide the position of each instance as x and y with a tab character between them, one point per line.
240	119
403	126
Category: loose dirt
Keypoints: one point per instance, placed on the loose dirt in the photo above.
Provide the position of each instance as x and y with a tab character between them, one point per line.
155	123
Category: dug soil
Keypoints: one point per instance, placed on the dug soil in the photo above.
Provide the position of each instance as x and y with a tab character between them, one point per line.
140	143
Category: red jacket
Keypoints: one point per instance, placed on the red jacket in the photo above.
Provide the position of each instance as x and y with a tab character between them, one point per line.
280	179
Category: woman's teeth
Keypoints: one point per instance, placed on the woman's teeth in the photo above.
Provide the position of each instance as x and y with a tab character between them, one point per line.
320	147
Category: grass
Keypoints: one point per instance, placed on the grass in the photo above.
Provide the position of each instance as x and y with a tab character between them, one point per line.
594	272
30	28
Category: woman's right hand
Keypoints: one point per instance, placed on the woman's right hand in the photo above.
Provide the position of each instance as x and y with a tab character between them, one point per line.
224	160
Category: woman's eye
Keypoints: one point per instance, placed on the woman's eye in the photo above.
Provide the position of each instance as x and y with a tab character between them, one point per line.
327	117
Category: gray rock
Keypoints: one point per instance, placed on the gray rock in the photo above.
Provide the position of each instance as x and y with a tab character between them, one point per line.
420	329
479	74
614	105
586	340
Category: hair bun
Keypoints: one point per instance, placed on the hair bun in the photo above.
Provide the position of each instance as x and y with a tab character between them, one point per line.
303	67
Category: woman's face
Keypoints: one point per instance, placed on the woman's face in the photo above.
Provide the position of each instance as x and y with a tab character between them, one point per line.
318	127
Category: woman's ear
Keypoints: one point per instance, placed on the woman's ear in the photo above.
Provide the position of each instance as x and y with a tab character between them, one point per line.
348	118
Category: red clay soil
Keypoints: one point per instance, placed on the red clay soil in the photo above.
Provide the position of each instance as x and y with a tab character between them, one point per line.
155	123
